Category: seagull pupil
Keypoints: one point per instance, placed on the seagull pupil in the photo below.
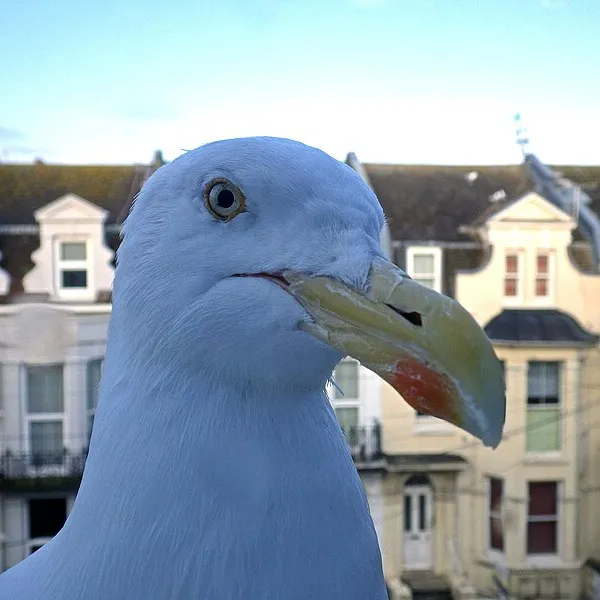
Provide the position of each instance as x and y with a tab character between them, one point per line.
225	198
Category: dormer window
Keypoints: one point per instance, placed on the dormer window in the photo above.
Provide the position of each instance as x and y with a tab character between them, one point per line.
72	265
542	274
424	265
512	274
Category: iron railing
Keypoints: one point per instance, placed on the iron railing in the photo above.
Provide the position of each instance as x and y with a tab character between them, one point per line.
364	442
27	465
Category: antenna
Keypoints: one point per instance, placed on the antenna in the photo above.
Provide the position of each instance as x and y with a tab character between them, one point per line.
522	135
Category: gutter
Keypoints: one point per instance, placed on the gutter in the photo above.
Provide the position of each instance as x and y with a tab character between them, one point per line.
30	229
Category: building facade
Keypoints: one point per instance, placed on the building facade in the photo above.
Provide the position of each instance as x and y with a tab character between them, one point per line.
448	512
521	519
58	234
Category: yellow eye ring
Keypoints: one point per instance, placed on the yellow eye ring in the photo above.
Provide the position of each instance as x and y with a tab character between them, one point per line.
223	199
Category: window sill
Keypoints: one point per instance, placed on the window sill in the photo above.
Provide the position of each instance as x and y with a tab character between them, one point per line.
555	458
432	426
345	402
433	431
533	562
80	296
544	561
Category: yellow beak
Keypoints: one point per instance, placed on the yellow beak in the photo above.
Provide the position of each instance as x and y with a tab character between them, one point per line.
424	344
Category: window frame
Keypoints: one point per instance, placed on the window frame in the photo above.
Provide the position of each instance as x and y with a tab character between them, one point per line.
497	515
90	412
33	542
548	277
556	519
517	277
41	417
436	253
349	401
531	408
61	265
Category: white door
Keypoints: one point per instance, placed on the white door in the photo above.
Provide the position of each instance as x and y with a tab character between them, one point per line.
417	527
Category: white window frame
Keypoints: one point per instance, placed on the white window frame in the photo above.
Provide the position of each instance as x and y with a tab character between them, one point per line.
90	412
29	418
436	253
544	560
550	454
38	541
544	300
349	402
429	425
494	553
79	265
520	279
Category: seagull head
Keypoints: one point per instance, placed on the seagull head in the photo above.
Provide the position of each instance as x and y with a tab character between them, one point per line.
256	262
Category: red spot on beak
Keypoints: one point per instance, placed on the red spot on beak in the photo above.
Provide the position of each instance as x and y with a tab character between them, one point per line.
425	390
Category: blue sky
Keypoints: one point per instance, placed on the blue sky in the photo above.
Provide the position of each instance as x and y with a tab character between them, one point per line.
408	81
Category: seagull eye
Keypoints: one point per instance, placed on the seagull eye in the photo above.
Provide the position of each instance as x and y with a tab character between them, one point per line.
224	200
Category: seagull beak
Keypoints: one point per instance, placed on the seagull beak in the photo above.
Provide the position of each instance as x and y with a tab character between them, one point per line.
424	344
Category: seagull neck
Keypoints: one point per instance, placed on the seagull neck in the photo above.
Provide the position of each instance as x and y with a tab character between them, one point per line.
176	446
198	488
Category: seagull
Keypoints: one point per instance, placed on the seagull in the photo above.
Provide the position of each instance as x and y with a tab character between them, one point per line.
248	269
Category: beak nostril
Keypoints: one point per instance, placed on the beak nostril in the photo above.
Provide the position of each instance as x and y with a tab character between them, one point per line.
412	317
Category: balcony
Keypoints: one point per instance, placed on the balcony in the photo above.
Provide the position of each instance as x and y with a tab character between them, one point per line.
365	445
59	471
55	471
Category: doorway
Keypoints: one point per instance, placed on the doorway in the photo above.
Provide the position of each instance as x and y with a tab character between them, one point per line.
418	507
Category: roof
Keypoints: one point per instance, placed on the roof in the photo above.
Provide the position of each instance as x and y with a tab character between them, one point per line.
434	202
538	326
26	188
423	203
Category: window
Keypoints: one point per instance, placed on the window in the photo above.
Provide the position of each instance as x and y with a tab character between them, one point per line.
424	264
496	534
94	373
512	274
72	266
542	518
346	377
45	413
46	518
542	275
346	402
348	420
544	420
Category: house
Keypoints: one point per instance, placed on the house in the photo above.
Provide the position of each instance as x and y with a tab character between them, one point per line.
450	513
59	228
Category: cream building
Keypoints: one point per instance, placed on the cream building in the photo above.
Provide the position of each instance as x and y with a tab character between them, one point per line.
454	518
